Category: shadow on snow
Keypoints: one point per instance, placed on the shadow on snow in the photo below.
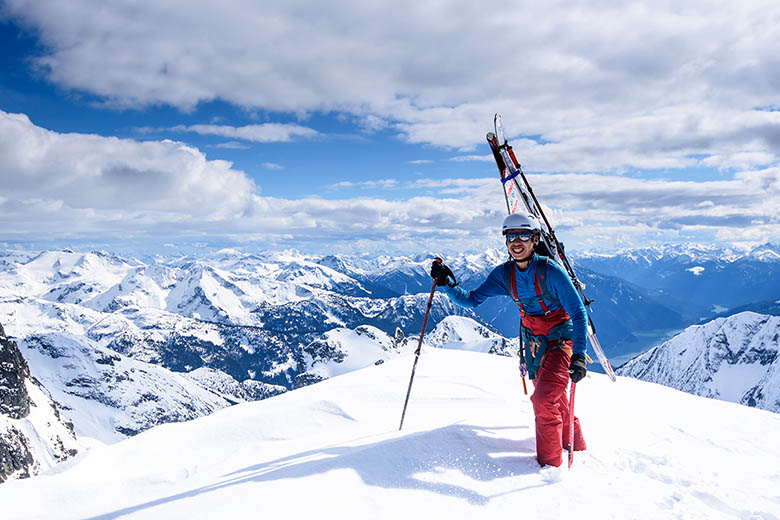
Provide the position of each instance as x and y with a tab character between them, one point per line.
398	463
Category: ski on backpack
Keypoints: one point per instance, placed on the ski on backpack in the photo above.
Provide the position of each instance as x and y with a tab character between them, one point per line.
520	196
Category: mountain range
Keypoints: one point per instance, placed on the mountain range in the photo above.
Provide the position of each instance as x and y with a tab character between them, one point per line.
703	280
121	345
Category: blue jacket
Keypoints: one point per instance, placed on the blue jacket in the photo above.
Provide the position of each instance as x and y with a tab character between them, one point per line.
558	285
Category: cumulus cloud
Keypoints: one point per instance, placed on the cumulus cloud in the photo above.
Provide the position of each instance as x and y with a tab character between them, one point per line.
603	86
84	171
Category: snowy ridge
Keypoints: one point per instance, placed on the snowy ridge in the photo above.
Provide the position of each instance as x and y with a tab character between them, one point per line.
466	451
33	434
37	442
342	350
461	333
109	396
736	359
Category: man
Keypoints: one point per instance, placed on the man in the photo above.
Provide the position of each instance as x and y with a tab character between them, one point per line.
553	329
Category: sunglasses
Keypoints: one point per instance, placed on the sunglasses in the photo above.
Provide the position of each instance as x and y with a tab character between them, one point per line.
523	236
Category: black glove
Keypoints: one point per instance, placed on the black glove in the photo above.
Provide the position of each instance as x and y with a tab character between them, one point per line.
578	367
441	273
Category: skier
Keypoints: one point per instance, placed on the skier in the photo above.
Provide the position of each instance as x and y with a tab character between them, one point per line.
553	329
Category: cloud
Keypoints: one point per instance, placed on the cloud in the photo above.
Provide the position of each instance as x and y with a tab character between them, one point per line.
265	133
272	166
600	86
421	161
231	145
79	185
379	183
468	158
632	211
91	173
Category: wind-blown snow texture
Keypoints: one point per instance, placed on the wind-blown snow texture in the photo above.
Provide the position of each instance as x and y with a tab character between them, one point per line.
467	451
736	359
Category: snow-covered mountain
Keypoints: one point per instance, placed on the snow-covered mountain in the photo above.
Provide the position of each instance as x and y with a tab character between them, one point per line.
458	333
466	451
343	350
702	279
736	359
33	434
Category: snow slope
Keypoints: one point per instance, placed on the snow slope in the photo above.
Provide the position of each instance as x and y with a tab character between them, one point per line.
736	359
466	451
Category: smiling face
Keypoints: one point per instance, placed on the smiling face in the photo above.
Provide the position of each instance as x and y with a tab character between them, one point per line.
518	249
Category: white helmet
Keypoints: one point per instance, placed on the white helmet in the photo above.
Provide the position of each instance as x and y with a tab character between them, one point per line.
521	221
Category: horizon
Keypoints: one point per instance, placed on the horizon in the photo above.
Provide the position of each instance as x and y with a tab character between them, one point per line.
199	125
171	251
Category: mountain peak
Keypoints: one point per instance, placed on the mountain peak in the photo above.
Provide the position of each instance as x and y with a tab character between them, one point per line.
767	252
736	358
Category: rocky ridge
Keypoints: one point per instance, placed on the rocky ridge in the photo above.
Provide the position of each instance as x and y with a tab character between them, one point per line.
33	434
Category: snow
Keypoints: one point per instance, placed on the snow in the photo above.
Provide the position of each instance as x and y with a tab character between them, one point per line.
46	436
466	451
735	358
349	350
462	333
103	392
733	381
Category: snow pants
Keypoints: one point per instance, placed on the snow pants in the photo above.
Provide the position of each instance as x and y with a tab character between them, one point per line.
551	410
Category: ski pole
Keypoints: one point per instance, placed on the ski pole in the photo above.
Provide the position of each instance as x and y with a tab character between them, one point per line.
571	423
419	347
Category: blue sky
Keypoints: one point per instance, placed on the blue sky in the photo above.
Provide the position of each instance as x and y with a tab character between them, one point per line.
346	127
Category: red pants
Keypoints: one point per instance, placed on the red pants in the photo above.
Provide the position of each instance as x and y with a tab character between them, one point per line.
551	408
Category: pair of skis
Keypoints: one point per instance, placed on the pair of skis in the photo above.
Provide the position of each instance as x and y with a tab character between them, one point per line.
520	196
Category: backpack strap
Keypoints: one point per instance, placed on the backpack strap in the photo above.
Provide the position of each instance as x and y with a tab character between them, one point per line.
540	284
543	275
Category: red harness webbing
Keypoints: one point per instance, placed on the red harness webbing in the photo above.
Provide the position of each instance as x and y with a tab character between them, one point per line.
536	286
